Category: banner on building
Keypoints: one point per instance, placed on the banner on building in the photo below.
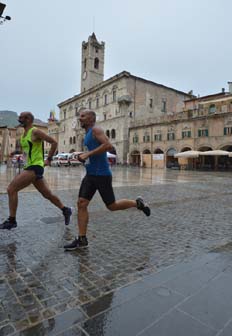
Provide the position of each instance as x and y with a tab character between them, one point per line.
158	156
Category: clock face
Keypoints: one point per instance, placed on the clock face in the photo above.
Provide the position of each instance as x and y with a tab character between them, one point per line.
74	123
84	75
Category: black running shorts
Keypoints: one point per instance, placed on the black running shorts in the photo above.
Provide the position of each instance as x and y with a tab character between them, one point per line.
91	183
38	170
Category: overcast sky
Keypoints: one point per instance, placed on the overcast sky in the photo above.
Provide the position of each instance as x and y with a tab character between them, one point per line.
184	44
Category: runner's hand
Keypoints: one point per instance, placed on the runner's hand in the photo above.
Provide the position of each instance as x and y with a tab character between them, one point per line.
82	157
47	163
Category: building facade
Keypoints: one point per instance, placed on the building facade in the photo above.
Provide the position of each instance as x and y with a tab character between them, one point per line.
204	123
7	142
118	102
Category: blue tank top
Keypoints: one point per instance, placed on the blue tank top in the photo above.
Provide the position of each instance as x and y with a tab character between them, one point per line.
96	164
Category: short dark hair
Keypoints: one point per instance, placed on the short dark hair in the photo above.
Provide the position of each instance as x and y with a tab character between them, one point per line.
29	115
92	113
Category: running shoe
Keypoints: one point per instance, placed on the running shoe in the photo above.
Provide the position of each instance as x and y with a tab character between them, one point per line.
141	205
8	225
76	244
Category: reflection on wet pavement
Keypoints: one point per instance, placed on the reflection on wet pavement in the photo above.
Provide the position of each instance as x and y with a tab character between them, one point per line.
66	178
105	290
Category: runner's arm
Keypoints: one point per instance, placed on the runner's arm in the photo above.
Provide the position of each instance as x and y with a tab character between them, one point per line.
105	144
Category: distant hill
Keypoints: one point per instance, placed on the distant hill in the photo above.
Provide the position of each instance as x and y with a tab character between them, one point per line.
8	118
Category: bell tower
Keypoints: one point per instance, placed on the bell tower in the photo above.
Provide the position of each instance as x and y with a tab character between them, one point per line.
92	63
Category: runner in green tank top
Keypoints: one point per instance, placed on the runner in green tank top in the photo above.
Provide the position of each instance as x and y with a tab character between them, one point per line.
32	150
32	147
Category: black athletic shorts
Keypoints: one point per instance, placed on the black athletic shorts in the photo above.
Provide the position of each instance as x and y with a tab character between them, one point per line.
38	171
91	183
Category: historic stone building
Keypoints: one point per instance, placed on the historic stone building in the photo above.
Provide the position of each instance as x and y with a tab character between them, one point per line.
53	128
7	142
204	123
117	101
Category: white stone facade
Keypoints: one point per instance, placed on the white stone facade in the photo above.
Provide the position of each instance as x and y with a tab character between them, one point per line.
117	101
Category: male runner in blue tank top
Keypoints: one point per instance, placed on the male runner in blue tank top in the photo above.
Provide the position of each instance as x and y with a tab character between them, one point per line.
98	177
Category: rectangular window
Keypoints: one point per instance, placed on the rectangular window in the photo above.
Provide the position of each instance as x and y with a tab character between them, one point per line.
164	106
151	102
186	134
158	137
114	96
135	139
146	138
97	102
227	130
90	104
203	133
171	136
105	99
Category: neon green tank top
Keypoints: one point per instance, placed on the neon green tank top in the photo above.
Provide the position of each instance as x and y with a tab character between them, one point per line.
32	150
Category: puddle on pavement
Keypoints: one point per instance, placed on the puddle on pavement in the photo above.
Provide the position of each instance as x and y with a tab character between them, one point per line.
223	248
50	220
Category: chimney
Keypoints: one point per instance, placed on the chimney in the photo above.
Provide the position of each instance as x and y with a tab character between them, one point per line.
230	87
223	90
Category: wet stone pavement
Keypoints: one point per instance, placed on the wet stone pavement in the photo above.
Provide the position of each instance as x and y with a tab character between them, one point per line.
169	274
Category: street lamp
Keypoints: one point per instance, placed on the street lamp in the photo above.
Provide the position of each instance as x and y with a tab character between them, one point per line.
3	18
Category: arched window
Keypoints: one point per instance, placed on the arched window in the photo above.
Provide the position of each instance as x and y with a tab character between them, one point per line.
146	137
70	140
113	134
96	63
97	100
114	93
212	108
135	138
76	109
108	133
74	140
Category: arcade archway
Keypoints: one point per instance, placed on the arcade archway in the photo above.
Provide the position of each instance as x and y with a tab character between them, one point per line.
147	158
205	162
171	161
135	158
